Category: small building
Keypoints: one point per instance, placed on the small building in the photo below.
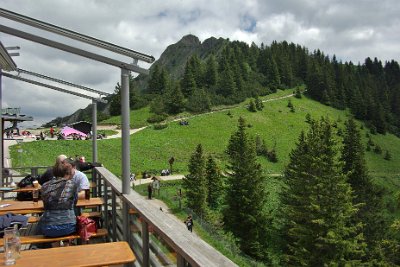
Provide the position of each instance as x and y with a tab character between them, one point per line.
82	126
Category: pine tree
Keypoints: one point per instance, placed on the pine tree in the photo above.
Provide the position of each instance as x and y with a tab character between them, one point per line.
115	103
226	85
153	84
199	101
366	195
252	106
158	81
317	204
211	74
245	215
297	93
174	100
388	156
194	183
214	183
259	103
289	104
188	81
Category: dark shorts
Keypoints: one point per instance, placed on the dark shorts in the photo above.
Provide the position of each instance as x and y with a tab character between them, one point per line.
58	230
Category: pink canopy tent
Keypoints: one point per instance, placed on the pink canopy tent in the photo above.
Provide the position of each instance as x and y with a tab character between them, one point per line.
68	131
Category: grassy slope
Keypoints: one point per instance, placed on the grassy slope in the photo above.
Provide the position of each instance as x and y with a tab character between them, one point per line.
151	149
137	118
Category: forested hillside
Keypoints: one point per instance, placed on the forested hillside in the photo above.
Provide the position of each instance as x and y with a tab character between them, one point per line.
195	76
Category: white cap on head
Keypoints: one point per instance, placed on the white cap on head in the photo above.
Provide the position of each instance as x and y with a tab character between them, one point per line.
61	158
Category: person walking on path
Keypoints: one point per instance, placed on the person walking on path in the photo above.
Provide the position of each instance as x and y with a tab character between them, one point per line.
149	190
189	223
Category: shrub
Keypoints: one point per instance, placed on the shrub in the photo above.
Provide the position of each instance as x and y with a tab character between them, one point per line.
388	156
160	126
378	149
156	118
252	106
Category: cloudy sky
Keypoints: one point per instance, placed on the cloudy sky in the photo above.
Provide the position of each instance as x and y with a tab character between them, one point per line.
352	30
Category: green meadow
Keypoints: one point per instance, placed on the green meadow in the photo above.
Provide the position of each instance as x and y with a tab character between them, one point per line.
151	148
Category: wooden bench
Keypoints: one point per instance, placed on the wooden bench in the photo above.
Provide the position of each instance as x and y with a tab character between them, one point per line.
102	254
36	239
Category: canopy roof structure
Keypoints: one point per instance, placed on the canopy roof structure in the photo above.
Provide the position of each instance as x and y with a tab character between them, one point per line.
6	62
125	68
66	130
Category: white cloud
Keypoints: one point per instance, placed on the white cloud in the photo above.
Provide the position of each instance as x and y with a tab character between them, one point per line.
352	30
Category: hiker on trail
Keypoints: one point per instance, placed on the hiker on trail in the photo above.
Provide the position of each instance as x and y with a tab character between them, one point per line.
189	223
156	185
149	190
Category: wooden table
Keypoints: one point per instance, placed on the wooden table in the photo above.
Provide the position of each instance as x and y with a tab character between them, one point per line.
26	207
25	189
102	254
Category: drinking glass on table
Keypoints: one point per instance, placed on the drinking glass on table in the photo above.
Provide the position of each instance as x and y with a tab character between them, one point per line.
87	194
12	245
35	195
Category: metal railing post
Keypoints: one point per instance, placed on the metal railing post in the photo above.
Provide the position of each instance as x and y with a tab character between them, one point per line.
114	216
145	245
106	215
180	261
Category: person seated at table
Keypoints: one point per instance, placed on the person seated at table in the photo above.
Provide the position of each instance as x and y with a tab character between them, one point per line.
79	177
83	165
59	196
48	175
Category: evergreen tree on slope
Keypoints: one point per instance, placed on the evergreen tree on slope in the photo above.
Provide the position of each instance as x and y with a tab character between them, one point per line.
214	183
194	183
317	204
245	214
365	192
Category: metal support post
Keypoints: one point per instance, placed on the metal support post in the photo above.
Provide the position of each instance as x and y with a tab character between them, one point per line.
125	116
1	130
94	131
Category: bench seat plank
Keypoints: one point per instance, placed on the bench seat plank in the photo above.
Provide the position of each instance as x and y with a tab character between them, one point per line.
36	239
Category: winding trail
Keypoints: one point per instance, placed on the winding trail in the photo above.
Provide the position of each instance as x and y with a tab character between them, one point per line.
132	131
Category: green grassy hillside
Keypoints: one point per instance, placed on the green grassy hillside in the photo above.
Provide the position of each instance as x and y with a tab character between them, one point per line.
151	149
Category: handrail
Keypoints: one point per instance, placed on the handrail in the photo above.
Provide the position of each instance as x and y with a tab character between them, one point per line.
188	246
154	236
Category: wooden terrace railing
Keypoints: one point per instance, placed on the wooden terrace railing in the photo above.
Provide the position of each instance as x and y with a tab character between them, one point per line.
156	238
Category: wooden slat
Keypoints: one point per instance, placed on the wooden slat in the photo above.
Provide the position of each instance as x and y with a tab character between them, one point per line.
102	254
27	207
36	239
91	214
133	211
33	219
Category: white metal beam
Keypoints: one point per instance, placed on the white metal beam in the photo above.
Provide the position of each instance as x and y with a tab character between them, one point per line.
72	50
52	87
74	35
